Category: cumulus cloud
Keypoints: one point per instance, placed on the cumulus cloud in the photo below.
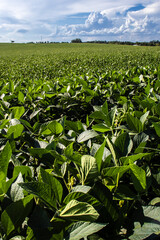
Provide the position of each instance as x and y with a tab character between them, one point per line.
131	24
108	20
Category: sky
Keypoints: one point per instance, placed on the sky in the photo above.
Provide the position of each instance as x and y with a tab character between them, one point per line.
89	20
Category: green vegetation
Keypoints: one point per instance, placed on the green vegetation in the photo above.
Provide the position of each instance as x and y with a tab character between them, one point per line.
79	142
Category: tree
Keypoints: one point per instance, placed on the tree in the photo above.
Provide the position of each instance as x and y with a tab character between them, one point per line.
77	40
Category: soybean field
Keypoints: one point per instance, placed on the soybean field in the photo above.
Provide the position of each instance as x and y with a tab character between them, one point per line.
79	141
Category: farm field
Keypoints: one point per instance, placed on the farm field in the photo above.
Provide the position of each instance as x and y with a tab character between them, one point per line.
79	142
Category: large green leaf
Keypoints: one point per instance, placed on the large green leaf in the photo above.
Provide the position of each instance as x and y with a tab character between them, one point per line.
103	195
99	155
79	211
75	126
86	135
54	184
81	230
89	168
139	178
112	150
134	123
46	156
24	170
14	215
55	127
123	144
157	128
147	223
105	108
98	115
73	196
4	160
95	149
110	118
21	97
140	141
101	127
115	171
43	191
132	158
16	192
15	131
17	112
144	117
82	197
68	151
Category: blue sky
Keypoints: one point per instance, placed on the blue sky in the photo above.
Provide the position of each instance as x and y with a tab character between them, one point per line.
64	20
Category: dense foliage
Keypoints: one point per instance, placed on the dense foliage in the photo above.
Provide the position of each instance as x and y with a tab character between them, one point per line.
79	142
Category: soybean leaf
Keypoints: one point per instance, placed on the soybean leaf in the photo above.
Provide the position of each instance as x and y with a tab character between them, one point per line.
111	116
105	108
115	171
55	127
101	128
86	135
99	155
17	112
21	97
15	131
147	222
75	126
43	191
82	197
4	160
16	191
139	178
112	150
95	148
123	144
14	215
143	118
157	128
46	156
68	151
134	123
54	184
89	168
81	230
24	170
79	211
133	158
98	115
102	194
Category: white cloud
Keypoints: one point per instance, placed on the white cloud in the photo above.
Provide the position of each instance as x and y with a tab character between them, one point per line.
108	19
120	23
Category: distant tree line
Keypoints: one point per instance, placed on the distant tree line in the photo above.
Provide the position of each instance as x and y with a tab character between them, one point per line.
151	43
78	40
